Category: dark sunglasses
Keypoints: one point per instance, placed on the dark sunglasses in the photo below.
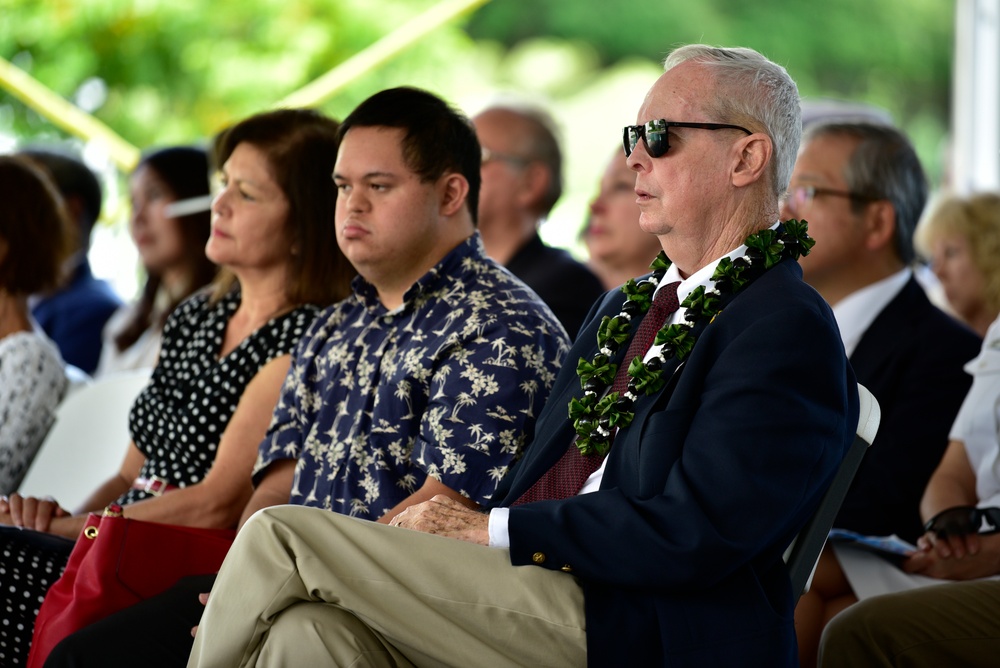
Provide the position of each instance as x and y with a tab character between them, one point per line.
963	520
654	134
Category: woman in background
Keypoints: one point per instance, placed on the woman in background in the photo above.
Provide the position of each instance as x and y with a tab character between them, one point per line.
225	353
172	250
961	237
35	240
619	249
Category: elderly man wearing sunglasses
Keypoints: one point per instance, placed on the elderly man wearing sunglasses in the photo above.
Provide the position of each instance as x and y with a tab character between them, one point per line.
680	451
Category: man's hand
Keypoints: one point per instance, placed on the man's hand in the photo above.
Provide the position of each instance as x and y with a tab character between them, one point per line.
446	517
30	512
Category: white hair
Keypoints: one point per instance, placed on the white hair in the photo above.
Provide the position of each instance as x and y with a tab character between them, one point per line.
754	92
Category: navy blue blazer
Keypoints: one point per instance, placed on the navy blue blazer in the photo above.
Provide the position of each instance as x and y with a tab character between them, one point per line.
911	358
679	551
74	317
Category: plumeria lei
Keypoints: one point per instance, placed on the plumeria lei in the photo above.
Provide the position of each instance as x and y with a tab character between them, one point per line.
598	413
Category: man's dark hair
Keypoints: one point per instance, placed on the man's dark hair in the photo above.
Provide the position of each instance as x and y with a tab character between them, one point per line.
72	179
438	139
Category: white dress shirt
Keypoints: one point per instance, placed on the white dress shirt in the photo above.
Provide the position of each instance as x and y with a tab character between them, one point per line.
856	312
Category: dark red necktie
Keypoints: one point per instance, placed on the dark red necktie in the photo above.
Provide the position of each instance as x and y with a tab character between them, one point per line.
568	474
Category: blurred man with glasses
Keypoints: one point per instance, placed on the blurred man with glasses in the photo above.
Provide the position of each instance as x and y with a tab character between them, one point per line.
862	189
678	454
522	181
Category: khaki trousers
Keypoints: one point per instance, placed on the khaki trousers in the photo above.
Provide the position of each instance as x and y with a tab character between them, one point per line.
307	587
941	625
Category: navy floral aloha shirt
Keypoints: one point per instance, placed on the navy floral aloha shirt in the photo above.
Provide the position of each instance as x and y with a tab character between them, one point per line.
447	385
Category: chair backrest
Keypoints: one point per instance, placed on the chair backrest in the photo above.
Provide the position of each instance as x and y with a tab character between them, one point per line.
87	443
77	377
803	554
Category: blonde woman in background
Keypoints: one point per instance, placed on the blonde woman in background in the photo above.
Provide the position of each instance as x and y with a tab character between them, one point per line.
961	238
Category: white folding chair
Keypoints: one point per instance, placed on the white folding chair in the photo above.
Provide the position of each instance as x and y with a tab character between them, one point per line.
86	445
802	555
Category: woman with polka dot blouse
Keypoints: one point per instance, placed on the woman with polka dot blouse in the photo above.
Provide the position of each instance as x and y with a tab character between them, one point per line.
224	356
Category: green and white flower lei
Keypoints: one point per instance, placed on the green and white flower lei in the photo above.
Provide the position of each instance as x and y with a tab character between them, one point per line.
597	415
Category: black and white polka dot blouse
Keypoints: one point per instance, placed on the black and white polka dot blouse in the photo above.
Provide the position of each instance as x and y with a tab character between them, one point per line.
178	419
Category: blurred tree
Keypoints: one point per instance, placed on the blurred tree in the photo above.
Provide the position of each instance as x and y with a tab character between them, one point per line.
169	71
165	71
894	52
160	71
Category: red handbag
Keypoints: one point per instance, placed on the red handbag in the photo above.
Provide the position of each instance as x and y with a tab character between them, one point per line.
118	562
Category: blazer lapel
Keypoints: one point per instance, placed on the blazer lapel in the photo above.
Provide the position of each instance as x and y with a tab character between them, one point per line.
883	333
553	431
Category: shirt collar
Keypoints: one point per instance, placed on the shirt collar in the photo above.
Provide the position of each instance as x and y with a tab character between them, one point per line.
856	312
701	277
450	266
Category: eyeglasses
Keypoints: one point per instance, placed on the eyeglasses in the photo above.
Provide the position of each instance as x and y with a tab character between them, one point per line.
493	156
799	197
964	520
654	134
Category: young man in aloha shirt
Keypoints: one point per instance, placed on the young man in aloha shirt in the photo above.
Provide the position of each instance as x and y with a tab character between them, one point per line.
428	379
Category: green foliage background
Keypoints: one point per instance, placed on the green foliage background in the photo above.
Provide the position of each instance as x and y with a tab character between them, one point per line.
176	71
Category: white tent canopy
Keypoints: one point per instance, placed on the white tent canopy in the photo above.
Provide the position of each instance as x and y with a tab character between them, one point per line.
975	122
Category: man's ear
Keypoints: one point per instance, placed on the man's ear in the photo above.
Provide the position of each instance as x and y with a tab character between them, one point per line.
880	224
454	190
754	156
535	180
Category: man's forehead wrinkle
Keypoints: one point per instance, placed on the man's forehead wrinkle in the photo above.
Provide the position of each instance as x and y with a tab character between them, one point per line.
670	98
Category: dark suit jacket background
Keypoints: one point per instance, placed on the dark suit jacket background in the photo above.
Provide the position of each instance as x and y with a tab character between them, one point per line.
566	286
74	317
679	552
911	359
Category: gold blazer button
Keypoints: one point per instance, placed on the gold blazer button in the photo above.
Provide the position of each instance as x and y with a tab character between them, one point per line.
538	557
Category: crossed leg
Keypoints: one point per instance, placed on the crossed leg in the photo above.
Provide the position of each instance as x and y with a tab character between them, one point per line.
356	591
